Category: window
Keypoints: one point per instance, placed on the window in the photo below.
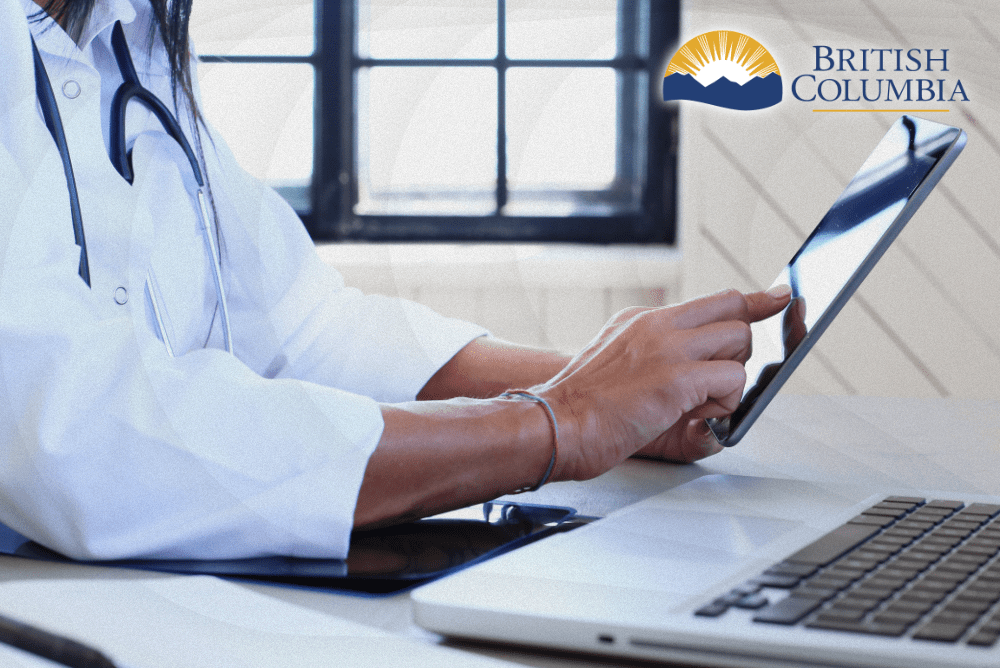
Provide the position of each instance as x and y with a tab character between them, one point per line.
257	81
466	120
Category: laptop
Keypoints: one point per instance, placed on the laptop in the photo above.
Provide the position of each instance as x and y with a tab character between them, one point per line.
731	570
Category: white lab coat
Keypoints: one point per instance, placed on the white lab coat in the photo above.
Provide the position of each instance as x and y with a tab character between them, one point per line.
110	447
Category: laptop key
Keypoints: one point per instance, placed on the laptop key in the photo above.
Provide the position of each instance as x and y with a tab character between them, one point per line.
988	509
790	610
889	503
851	562
906	608
856	603
942	587
912	500
841	615
983	638
873	594
806	591
788	568
746	588
937	513
729	599
940	632
751	602
830	582
895	618
874	520
885	512
948	505
711	610
858	627
777	581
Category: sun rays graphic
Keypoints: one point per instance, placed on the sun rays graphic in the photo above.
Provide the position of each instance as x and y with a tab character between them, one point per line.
724	57
719	53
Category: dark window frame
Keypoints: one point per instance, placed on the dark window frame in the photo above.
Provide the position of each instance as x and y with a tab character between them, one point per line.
334	190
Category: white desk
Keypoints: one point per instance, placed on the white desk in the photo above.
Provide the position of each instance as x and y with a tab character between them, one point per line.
143	619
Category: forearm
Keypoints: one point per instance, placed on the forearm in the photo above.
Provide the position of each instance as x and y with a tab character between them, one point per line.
646	381
486	367
436	456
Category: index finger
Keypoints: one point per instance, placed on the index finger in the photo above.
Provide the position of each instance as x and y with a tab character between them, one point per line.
731	305
726	305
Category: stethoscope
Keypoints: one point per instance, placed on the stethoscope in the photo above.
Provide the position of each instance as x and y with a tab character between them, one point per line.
121	159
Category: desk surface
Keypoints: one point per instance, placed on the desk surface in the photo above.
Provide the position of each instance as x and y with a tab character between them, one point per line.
145	619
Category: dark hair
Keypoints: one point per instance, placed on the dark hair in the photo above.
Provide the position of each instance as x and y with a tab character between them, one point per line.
171	23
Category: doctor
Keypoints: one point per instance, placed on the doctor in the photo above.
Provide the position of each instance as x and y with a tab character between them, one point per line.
180	376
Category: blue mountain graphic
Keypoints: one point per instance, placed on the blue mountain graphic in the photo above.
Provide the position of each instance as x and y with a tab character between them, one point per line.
758	93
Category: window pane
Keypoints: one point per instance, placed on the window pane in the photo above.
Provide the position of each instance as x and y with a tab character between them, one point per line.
265	113
561	128
443	29
582	29
427	140
253	27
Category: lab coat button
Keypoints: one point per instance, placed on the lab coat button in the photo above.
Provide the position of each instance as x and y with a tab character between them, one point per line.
121	296
71	89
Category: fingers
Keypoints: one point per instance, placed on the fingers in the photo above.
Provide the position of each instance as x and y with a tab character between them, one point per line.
725	305
731	305
693	441
729	340
709	389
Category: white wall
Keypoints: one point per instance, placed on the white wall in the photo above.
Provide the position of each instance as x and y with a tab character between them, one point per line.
927	320
551	295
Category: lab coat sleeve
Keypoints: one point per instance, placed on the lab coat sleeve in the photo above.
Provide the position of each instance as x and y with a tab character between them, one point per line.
292	315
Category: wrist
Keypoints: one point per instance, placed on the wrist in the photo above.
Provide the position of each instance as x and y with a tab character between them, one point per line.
440	455
571	464
526	395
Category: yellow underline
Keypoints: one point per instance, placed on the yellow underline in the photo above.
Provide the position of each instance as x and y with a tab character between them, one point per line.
884	111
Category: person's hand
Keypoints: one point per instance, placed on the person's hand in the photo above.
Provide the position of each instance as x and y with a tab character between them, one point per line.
650	378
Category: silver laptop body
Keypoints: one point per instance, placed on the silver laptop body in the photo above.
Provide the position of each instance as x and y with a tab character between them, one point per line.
630	584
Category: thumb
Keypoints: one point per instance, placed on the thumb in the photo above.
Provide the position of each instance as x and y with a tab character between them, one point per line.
698	441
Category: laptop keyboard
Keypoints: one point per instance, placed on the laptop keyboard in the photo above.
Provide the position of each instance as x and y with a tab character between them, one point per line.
925	569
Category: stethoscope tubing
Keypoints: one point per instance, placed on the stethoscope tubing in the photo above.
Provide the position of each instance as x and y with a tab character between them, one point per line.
50	112
131	88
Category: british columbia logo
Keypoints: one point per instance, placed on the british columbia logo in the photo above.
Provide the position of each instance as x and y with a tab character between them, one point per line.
726	69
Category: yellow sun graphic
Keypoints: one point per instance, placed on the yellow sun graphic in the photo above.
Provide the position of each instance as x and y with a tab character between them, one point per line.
723	53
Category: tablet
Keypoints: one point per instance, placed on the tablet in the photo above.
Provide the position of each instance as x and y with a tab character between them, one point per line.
892	183
385	560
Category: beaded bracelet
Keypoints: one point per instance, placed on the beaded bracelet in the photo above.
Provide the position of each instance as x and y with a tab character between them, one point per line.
524	394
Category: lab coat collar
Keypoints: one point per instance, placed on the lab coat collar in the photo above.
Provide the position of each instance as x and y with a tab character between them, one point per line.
136	17
104	15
